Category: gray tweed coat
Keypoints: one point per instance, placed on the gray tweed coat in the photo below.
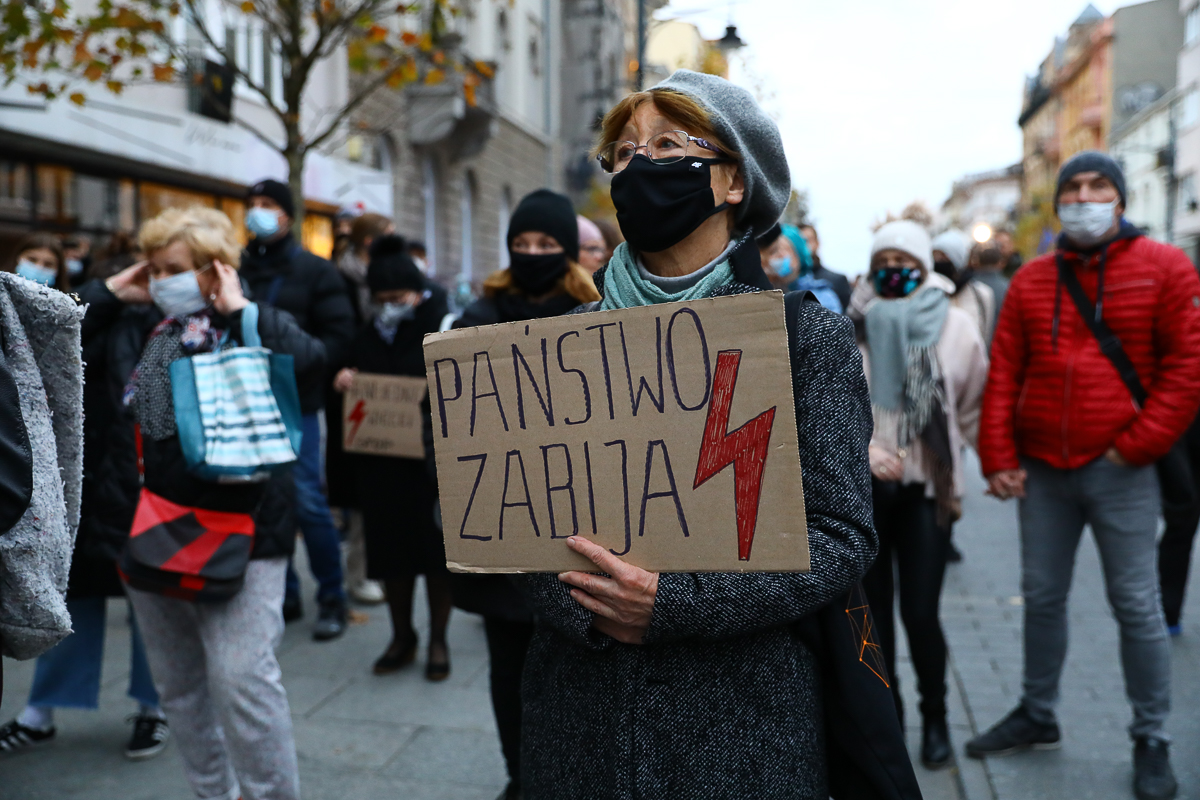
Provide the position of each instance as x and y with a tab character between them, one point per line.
722	700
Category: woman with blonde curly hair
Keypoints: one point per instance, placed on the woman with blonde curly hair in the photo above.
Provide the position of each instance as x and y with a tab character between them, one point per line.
213	662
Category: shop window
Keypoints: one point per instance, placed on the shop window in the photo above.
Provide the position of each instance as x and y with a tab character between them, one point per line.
126	205
235	209
317	234
155	198
14	189
56	195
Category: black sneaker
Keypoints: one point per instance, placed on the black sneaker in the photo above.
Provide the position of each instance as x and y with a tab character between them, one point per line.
331	619
1016	732
292	609
14	736
150	735
1153	778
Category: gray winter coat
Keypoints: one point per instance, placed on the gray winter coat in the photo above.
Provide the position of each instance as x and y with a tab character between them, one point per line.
41	345
722	700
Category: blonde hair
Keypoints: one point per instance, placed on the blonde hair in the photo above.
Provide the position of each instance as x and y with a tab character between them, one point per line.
577	282
207	232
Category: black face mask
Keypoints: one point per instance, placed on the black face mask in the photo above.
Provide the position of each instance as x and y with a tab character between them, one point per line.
659	205
537	275
946	268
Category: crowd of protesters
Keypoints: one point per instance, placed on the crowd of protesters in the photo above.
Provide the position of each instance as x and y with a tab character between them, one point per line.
1076	378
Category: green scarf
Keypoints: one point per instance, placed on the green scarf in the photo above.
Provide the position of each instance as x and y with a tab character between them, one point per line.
625	285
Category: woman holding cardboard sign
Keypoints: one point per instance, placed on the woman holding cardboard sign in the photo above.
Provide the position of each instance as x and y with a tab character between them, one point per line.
717	685
404	307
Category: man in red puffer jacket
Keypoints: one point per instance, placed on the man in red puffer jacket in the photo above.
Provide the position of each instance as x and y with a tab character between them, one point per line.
1061	431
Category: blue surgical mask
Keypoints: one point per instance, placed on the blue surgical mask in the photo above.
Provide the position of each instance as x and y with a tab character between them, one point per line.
36	273
262	222
178	295
1086	223
781	266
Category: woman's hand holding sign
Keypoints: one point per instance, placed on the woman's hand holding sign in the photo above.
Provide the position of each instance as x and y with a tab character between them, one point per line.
624	603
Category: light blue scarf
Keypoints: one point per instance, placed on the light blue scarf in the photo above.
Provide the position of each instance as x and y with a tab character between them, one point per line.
627	284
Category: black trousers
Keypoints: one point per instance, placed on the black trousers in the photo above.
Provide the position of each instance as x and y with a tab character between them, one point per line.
508	642
912	554
1175	547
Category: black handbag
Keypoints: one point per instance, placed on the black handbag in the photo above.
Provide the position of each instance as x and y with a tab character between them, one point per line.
1175	479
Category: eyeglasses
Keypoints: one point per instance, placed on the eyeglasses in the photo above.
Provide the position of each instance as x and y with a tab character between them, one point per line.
667	147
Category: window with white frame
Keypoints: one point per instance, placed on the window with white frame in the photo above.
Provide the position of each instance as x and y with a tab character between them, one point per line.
467	214
505	213
1188	111
429	195
1191	26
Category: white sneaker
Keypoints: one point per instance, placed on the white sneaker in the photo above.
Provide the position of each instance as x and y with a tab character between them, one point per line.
368	593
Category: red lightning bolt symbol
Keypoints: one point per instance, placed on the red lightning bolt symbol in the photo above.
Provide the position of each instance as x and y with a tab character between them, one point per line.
356	416
745	448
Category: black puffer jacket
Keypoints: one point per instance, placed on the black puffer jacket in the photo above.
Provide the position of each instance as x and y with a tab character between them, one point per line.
314	293
748	685
113	338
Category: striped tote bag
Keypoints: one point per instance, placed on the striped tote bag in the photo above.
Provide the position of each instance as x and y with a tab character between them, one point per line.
237	410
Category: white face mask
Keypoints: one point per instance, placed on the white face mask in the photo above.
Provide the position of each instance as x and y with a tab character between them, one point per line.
1086	223
74	267
178	295
392	314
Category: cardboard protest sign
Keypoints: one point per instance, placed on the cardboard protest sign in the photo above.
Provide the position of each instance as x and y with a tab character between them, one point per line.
382	416
665	433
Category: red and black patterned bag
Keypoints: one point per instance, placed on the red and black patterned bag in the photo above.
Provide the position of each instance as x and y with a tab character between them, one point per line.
189	553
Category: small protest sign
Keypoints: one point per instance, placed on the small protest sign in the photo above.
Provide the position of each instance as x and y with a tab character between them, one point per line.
382	416
664	433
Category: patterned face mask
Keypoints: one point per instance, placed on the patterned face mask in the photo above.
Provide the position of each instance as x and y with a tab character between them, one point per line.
897	281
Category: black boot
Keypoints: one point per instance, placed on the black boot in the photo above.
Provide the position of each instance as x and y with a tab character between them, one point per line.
1153	778
935	743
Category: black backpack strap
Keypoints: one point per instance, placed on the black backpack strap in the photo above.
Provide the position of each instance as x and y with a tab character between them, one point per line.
1110	344
791	306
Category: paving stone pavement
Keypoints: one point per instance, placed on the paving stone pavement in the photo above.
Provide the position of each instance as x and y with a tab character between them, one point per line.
362	737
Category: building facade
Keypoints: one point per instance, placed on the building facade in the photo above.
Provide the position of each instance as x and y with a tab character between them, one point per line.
1143	146
1187	135
117	160
1094	83
984	198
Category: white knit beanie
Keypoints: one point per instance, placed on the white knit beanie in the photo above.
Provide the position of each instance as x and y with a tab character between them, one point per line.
907	236
956	245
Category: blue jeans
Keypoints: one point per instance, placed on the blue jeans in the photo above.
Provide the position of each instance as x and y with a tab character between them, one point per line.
68	675
321	538
1121	505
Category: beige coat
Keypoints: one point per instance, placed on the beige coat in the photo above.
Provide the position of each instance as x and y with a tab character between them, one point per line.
979	301
964	364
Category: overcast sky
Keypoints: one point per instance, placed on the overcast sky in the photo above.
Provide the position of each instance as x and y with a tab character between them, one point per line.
881	102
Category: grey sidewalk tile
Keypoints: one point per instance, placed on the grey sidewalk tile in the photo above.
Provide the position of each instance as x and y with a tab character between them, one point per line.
352	745
448	754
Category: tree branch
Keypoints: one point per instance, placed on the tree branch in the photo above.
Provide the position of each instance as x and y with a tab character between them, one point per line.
347	110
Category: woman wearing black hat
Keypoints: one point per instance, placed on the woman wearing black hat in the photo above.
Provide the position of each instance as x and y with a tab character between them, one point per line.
397	494
544	280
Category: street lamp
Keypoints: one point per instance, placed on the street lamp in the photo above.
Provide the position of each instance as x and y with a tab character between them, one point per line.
730	41
982	232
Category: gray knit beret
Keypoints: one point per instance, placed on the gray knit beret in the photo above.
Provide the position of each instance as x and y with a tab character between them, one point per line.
743	125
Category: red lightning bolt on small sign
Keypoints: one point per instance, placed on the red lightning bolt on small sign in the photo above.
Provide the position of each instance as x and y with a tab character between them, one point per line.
745	448
356	416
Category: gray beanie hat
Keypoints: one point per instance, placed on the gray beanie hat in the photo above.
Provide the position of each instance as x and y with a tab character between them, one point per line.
744	126
956	245
1091	161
